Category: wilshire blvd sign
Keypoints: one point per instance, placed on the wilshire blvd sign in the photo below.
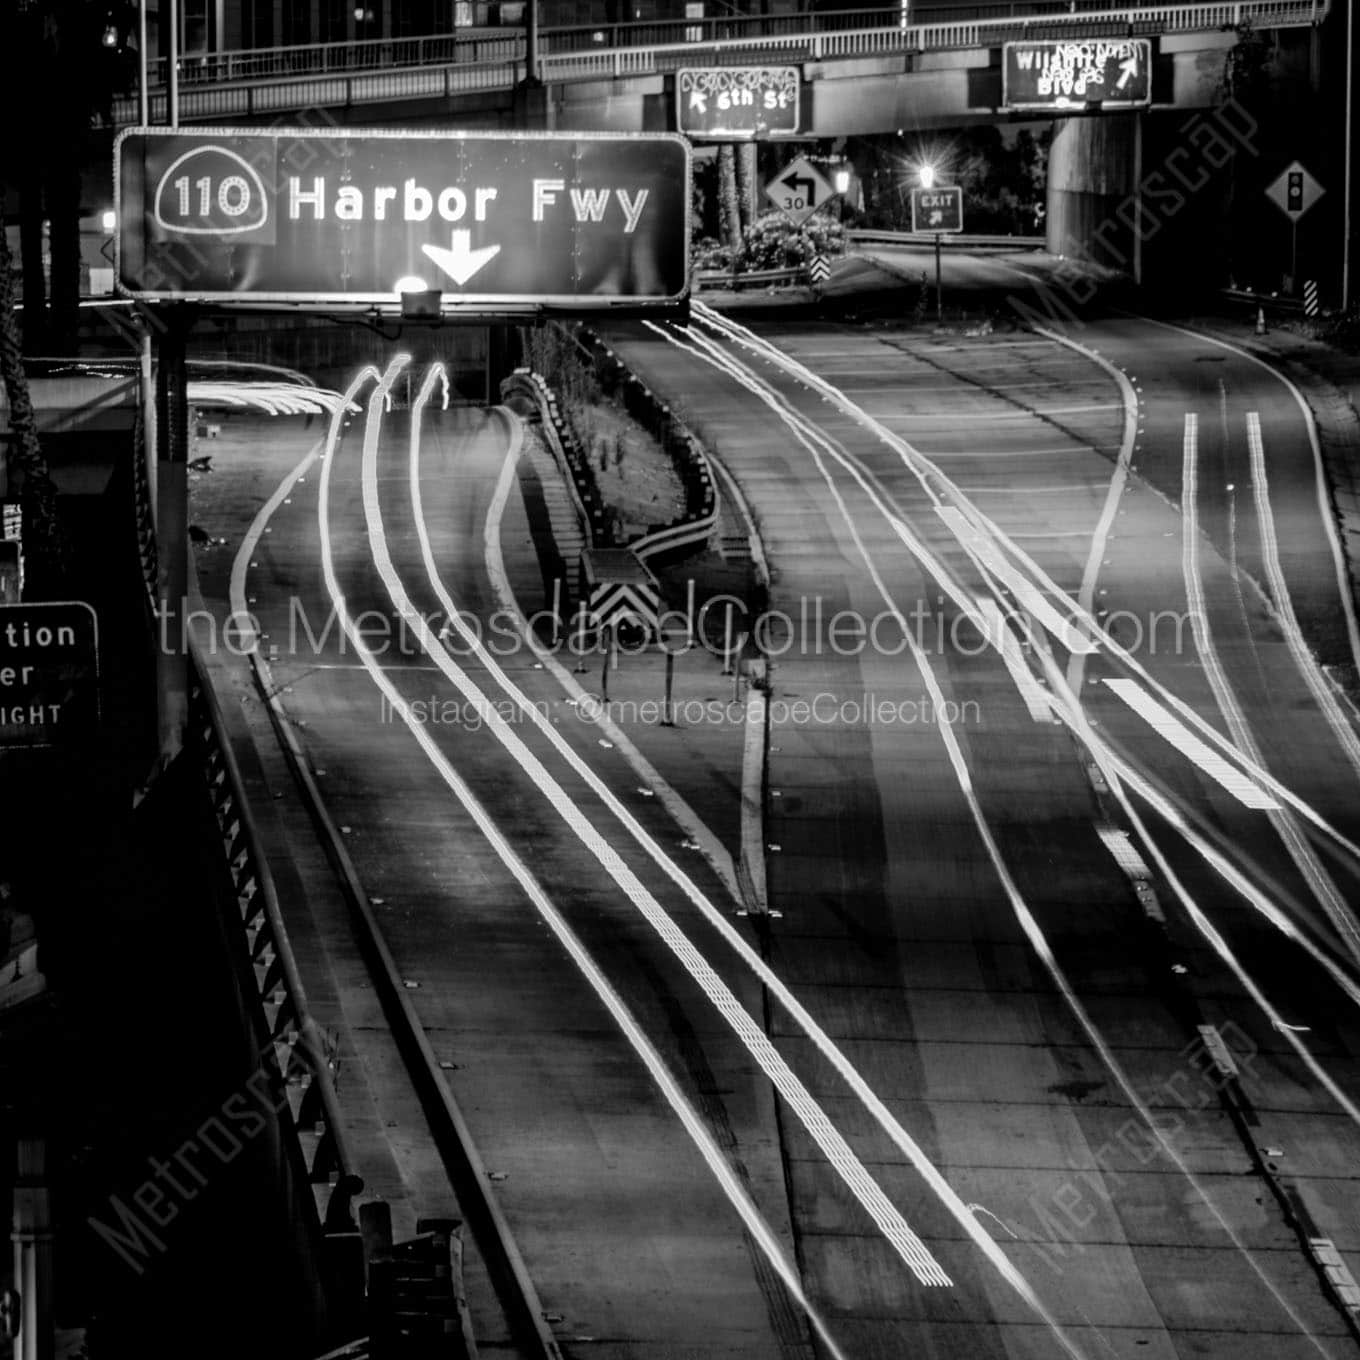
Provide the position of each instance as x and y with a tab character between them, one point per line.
1110	72
339	216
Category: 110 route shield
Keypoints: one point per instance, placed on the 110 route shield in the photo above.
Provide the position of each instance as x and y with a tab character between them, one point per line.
337	216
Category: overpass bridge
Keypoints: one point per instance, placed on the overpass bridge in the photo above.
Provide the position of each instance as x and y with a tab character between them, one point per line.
860	73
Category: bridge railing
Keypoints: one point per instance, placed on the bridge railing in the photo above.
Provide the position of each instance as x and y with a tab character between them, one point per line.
254	83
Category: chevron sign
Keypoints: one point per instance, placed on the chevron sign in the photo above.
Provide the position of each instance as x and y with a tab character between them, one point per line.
614	602
820	269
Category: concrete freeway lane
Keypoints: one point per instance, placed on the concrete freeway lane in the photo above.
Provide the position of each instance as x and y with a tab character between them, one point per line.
985	921
1049	1050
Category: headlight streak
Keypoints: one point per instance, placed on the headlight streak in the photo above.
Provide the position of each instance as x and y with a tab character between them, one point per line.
924	469
617	1009
798	424
828	1138
1068	714
1284	605
1300	851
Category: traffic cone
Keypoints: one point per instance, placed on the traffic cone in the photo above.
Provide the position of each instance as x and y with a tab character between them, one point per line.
1260	321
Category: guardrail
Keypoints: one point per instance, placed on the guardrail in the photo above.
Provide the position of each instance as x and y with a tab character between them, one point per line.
692	530
297	1046
296	1052
954	241
331	75
565	449
733	281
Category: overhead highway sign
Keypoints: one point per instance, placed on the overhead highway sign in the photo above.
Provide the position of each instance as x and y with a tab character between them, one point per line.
334	216
1111	72
723	102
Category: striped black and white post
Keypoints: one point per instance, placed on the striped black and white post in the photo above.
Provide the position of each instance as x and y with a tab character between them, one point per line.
1310	298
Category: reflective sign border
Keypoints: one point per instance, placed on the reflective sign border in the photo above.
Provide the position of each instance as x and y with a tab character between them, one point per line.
451	304
779	134
937	231
97	677
1073	107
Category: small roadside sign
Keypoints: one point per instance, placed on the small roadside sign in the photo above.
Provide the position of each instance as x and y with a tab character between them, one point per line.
937	210
798	190
1295	191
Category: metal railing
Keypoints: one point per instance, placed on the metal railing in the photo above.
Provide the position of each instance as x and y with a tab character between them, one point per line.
254	83
867	236
297	1047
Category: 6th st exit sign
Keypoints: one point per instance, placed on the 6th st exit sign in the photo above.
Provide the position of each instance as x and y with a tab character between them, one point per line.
336	216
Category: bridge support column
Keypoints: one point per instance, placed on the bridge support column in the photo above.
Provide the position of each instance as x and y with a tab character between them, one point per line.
1093	172
531	111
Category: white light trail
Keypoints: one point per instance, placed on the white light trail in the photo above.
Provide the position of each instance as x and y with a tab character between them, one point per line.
509	857
707	350
828	1138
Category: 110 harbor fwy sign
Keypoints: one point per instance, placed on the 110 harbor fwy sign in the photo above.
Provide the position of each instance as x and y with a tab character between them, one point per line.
334	216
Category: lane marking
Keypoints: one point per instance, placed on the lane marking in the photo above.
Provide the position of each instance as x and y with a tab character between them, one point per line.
712	849
1284	822
1100	539
1270	550
1319	472
1034	695
810	437
632	1031
1026	920
909	1247
1177	735
1074	641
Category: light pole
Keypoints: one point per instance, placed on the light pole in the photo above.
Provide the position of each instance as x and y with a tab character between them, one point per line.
1346	192
842	183
927	178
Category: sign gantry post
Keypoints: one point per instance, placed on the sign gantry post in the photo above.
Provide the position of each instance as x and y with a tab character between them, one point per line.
937	210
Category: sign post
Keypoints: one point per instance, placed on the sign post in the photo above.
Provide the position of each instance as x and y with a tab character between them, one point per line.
1294	191
329	218
937	210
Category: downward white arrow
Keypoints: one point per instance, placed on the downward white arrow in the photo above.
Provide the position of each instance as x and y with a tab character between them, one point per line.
461	262
1130	69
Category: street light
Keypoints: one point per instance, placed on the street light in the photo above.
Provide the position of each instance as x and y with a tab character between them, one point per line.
926	174
842	179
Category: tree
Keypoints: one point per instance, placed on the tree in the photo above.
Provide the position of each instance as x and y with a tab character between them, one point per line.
71	75
37	492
